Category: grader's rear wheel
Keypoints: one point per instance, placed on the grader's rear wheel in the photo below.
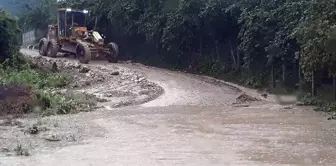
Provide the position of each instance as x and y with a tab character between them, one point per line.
83	53
43	44
52	48
114	52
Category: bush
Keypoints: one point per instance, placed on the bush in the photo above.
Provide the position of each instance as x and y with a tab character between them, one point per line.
48	103
322	105
56	103
8	35
35	78
23	90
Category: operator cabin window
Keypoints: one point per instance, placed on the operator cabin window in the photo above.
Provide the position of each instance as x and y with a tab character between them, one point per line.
62	23
68	23
78	19
74	19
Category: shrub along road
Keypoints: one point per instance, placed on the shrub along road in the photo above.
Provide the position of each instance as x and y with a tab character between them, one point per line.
197	121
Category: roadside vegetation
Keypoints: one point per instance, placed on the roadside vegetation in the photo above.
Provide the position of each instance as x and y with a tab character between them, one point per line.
25	88
283	45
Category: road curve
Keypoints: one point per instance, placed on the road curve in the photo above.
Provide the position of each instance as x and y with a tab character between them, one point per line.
194	123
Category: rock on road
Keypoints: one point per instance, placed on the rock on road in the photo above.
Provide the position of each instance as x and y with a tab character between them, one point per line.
194	123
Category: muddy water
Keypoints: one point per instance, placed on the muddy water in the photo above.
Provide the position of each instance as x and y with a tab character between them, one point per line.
194	123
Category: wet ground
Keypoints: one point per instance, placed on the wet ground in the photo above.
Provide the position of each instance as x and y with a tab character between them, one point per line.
193	123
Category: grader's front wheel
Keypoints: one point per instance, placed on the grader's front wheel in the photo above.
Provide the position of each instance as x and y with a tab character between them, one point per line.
83	53
112	57
52	48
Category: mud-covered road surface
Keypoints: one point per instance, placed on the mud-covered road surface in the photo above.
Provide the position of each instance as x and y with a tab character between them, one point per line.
196	122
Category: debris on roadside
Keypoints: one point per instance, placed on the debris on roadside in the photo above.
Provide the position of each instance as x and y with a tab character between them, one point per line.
52	138
77	65
84	69
5	150
144	92
332	116
264	95
115	73
33	130
244	98
54	67
10	122
242	106
20	151
299	103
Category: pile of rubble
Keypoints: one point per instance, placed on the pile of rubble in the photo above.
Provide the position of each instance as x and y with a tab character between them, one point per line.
120	86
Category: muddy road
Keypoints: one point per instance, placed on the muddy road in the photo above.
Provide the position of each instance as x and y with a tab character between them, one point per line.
196	121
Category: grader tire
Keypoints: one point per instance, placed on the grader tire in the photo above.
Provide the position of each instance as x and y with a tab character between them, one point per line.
114	52
43	44
52	48
83	53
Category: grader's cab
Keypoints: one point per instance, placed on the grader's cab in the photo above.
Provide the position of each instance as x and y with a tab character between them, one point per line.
71	36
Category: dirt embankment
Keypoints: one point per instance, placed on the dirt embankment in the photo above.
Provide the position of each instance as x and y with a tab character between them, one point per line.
113	86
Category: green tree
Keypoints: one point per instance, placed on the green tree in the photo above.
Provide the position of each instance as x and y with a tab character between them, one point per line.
8	35
266	39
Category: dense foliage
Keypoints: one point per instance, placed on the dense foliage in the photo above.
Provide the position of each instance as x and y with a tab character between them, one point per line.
8	35
256	38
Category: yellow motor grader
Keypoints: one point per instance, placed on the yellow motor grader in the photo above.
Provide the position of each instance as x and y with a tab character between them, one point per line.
71	36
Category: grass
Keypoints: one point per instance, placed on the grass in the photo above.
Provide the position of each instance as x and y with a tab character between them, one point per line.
35	78
42	98
321	104
68	103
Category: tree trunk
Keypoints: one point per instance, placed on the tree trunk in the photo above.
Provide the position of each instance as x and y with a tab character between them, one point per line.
216	49
300	78
272	77
233	54
300	74
238	60
157	46
201	46
190	59
213	51
158	50
284	73
313	84
249	65
334	87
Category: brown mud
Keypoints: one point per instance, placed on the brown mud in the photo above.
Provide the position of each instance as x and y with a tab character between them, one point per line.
194	122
